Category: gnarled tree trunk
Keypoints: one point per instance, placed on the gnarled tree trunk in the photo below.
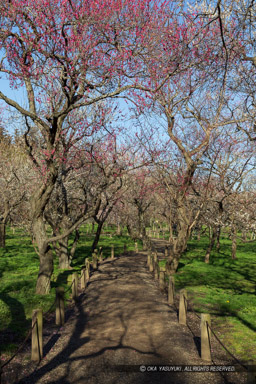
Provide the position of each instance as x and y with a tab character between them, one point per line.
97	236
179	245
212	238
63	253
38	203
74	245
43	284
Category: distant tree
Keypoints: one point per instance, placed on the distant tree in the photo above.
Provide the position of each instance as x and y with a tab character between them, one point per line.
16	174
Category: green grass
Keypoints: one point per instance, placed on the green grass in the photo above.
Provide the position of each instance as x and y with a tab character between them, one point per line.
19	265
226	289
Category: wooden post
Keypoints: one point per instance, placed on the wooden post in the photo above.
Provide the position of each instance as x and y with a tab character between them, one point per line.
112	251
87	271
83	278
136	247
251	373
125	248
151	265
162	278
94	260
60	306
37	335
74	286
166	252
171	290
183	307
205	337
148	259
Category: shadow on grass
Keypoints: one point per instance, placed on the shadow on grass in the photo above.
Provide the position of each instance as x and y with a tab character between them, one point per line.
18	323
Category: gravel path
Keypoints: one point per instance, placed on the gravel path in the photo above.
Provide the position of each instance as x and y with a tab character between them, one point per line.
122	319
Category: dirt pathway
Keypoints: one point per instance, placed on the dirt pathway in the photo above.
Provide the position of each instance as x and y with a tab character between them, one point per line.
121	319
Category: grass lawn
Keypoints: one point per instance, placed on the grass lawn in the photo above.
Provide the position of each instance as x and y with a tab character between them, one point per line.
19	266
226	289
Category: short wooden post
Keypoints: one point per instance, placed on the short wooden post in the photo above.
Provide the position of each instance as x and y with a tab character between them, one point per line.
171	290
205	337
112	252
148	259
60	306
83	278
87	271
37	335
251	373
166	252
136	246
74	286
94	260
151	265
158	235
183	307
162	278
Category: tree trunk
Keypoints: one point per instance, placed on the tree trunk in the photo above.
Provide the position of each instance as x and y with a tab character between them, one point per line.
177	247
145	239
73	248
171	232
218	239
199	234
63	253
234	243
131	232
211	244
2	234
97	236
183	230
43	284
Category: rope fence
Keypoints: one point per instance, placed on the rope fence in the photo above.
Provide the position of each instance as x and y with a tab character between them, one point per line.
36	330
230	353
184	306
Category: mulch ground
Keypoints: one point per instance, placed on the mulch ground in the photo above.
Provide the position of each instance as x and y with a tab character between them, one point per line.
119	323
